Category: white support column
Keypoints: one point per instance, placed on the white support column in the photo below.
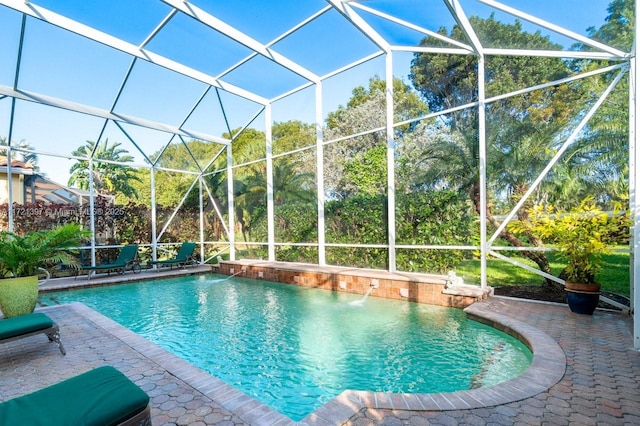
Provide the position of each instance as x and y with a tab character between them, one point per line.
154	217
634	199
456	9
232	231
200	193
92	216
9	187
270	210
322	260
10	217
482	141
391	154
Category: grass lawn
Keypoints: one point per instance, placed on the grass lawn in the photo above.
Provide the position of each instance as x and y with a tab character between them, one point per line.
613	277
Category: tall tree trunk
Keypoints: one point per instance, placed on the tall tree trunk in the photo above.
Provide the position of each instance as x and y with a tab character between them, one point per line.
538	257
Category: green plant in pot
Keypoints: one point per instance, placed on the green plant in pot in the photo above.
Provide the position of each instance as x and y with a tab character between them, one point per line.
581	236
23	258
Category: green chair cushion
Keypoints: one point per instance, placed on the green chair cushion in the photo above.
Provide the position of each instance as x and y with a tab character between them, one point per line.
23	324
185	252
100	397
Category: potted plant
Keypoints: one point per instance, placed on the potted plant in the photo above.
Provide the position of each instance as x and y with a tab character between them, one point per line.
581	236
22	257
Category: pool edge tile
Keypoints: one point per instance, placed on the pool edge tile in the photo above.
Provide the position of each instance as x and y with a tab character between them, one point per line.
547	368
210	386
336	411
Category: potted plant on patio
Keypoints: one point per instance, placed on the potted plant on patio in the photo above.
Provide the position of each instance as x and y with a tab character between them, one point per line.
22	258
581	236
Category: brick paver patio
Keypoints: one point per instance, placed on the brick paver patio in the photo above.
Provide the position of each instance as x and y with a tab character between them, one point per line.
599	384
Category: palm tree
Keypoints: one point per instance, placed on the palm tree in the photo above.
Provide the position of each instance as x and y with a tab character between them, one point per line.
290	186
522	131
108	178
450	161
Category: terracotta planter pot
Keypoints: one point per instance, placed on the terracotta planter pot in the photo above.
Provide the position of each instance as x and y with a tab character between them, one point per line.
18	296
582	298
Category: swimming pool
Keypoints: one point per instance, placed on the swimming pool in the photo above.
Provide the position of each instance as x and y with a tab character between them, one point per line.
295	348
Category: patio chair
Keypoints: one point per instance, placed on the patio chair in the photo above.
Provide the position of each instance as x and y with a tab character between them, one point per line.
99	397
127	259
29	325
182	258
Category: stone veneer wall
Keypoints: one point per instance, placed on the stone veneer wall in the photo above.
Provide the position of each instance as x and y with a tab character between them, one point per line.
421	288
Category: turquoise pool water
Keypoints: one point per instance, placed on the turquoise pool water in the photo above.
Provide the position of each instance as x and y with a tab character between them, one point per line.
295	348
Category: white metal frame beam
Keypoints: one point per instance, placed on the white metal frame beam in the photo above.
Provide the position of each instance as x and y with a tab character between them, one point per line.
102	113
222	27
435	35
555	28
634	176
572	138
349	10
460	16
53	18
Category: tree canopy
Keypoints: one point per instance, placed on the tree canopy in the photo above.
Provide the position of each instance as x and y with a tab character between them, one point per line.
524	129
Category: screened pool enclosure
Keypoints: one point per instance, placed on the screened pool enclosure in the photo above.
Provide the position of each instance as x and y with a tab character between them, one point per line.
407	136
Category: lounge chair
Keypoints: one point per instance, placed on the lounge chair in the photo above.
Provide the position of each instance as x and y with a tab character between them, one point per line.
182	258
127	259
100	397
30	325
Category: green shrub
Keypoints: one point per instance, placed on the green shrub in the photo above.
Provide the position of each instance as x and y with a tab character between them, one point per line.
581	236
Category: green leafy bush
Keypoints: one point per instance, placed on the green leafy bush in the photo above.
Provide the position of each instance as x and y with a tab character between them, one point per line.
432	218
581	235
24	255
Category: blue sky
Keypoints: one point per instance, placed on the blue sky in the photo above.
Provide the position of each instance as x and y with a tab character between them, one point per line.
57	63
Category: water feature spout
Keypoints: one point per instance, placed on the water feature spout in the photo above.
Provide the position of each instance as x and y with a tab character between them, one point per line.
243	270
361	301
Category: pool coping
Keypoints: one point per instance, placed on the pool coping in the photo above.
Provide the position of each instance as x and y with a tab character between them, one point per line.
547	368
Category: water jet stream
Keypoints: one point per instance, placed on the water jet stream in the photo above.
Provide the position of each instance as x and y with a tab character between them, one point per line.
361	301
237	273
